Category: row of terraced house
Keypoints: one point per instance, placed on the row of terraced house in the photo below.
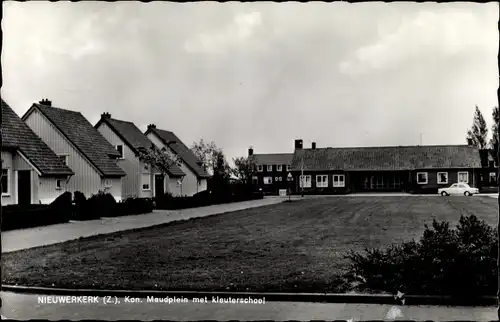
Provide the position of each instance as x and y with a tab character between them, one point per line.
51	150
419	169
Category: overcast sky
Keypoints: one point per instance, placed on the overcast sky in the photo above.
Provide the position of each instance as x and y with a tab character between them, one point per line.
260	74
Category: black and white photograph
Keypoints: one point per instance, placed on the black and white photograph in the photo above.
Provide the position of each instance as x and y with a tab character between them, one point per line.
246	161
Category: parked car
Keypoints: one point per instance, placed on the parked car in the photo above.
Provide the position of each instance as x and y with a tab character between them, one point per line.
458	189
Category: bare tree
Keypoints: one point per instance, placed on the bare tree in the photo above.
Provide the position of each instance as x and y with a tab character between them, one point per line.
160	159
244	168
207	154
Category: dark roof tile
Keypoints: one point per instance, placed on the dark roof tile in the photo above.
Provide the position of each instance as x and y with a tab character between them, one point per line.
135	139
85	137
387	158
17	134
182	151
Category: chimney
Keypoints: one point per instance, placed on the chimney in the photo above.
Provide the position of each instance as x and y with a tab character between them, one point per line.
106	116
151	126
313	145
469	142
250	151
298	144
46	102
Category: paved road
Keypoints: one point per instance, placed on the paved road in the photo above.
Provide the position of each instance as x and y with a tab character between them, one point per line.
24	307
47	235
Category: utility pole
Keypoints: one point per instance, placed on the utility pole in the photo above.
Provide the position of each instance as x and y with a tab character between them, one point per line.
302	175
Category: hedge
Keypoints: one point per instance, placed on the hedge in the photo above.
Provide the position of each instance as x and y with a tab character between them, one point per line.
445	261
204	198
28	216
105	205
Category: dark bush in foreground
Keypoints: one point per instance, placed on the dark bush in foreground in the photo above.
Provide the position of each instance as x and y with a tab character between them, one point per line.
28	216
235	193
133	206
97	206
445	261
104	205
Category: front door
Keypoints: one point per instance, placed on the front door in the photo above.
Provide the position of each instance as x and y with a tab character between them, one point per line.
159	185
24	187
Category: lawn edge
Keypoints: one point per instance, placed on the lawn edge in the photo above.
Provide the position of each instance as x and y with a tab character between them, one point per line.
136	229
273	297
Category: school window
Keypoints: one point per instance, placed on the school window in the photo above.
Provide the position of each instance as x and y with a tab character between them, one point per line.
463	177
279	167
269	168
493	177
268	180
305	181
288	167
442	177
119	148
58	184
260	168
322	181
5	182
422	177
338	180
145	178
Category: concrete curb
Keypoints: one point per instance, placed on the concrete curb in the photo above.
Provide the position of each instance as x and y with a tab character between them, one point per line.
274	297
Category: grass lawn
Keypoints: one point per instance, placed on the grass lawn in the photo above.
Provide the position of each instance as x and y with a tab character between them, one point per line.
288	247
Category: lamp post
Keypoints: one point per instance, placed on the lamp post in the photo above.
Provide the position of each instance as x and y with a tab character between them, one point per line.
289	178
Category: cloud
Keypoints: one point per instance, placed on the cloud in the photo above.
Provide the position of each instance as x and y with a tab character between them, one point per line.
428	34
240	30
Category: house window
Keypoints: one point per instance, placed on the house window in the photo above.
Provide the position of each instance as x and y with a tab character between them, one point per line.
107	183
279	167
145	181
338	180
64	159
442	177
269	168
255	180
491	164
288	167
119	148
321	181
493	177
268	180
260	168
58	184
422	178
463	177
5	182
305	181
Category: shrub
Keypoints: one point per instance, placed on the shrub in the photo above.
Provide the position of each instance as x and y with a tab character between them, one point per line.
445	261
98	205
133	206
19	217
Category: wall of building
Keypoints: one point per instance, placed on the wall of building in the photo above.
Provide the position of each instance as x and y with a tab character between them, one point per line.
86	179
190	184
276	185
132	182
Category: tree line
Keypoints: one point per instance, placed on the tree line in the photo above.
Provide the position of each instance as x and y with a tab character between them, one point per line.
478	133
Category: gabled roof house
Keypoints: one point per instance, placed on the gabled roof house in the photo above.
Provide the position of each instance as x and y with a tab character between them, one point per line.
31	171
195	179
141	180
271	170
71	136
